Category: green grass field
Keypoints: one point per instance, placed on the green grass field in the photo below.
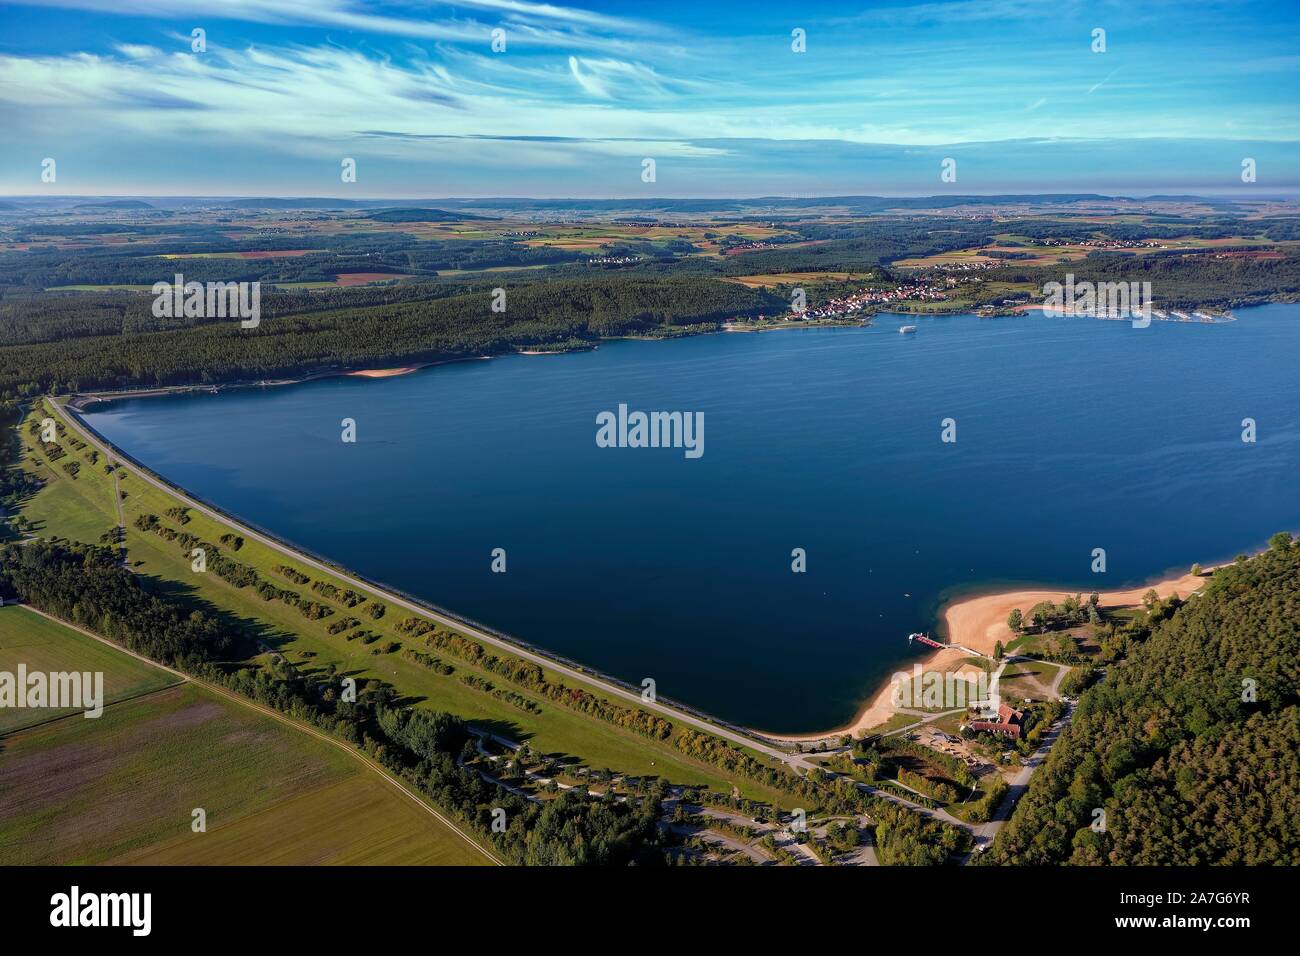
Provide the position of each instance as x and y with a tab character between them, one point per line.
78	508
122	788
895	722
83	508
43	645
1028	678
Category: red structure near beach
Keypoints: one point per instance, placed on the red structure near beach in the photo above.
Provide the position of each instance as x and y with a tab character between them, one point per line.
925	639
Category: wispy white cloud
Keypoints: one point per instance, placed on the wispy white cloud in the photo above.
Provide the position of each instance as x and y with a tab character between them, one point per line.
532	23
316	101
588	81
137	51
618	79
1102	82
303	97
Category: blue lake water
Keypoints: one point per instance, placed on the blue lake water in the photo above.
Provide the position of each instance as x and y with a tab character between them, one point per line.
1071	435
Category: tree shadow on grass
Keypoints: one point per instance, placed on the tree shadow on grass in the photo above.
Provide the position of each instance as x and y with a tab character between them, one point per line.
251	637
507	729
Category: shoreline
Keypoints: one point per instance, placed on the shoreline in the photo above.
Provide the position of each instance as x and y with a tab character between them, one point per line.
88	401
729	328
82	401
978	621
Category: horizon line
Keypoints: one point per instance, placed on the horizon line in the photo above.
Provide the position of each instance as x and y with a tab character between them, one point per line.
1234	192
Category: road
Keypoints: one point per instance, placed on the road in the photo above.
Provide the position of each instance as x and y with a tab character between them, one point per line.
276	715
865	854
986	833
937	813
1061	671
725	840
73	421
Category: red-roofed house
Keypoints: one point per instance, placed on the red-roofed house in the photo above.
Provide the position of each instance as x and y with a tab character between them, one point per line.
1010	722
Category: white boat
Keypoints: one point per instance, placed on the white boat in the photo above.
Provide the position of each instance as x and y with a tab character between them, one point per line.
907	329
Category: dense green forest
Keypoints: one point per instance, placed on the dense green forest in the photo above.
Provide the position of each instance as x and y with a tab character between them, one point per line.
141	263
1190	746
15	484
1178	280
538	314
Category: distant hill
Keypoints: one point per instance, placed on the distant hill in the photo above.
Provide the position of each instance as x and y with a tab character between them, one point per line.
420	215
257	202
769	204
427	209
442	210
116	204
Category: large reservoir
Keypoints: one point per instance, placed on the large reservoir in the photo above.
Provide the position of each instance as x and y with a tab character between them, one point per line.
1070	436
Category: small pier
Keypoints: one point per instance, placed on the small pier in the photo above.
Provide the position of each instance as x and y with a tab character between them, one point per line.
928	641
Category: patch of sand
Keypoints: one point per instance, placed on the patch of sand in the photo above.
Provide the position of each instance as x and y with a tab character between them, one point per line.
384	372
881	708
980	622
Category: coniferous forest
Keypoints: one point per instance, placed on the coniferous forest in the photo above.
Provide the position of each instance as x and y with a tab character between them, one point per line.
1190	746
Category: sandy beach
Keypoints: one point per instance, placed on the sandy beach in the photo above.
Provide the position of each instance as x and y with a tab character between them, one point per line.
385	372
979	622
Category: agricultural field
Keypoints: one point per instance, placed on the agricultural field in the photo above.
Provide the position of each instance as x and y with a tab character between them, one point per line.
574	236
773	280
122	788
467	272
346	280
262	254
1011	249
85	505
46	646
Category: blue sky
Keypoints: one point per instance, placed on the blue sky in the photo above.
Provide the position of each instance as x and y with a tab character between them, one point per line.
712	91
